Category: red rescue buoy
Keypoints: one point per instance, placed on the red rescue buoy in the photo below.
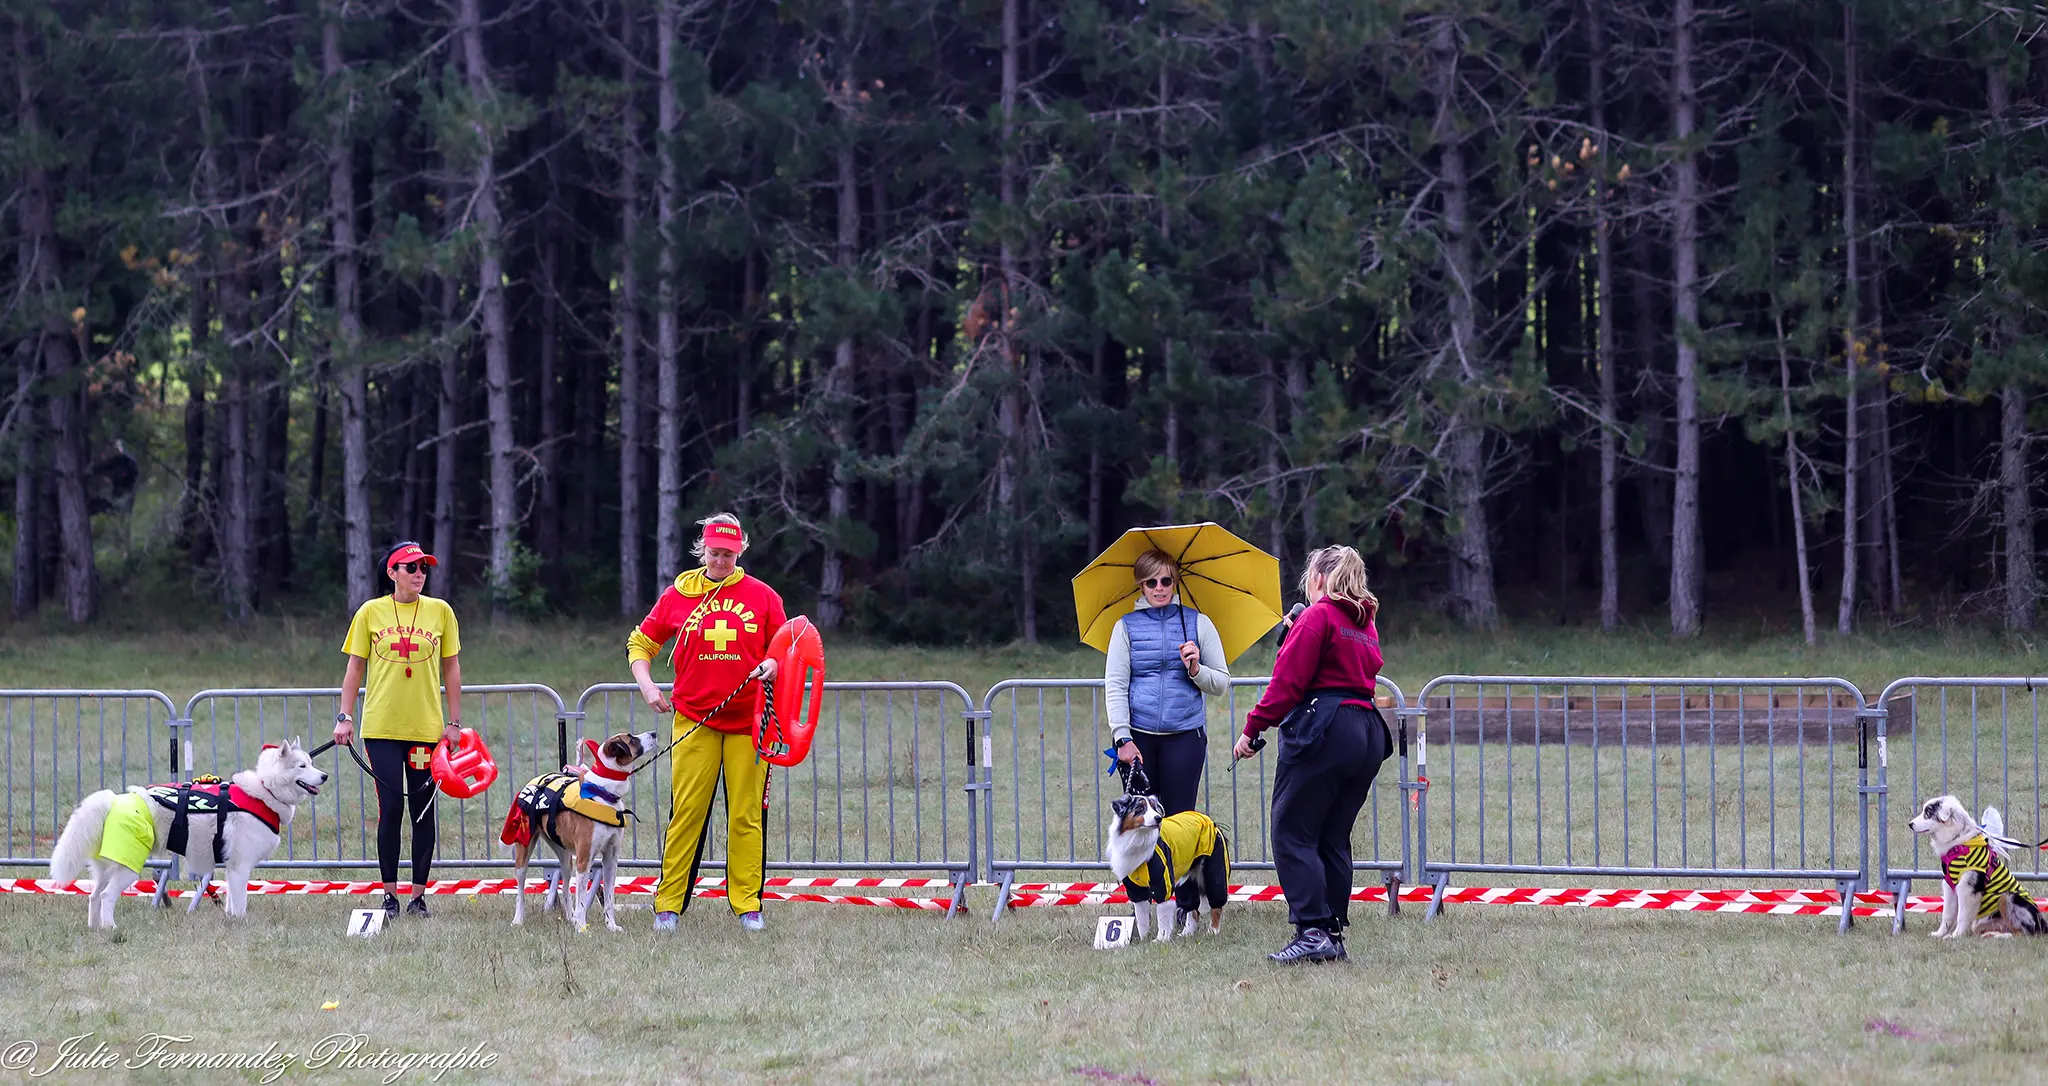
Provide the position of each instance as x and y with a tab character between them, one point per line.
784	738
466	769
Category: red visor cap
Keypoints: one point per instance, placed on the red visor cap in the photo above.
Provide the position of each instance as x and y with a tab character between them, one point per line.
726	536
411	552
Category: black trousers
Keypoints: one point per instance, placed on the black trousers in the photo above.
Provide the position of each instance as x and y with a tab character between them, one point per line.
1173	762
390	759
1317	795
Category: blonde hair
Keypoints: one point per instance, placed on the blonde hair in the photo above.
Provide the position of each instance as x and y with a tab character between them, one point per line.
1151	563
1343	574
697	548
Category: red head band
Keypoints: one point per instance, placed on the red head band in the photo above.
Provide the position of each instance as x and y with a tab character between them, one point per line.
726	536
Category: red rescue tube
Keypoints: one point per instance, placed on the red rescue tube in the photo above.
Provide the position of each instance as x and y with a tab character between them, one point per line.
466	769
784	738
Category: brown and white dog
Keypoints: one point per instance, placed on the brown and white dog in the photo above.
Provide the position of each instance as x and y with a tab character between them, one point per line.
1979	893
581	814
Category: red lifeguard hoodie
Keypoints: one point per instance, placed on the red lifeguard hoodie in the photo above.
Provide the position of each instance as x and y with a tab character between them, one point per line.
723	628
1332	646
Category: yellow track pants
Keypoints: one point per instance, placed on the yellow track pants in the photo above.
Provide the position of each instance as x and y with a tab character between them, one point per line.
693	773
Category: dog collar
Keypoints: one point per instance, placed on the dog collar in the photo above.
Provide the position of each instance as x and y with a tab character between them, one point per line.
597	765
257	807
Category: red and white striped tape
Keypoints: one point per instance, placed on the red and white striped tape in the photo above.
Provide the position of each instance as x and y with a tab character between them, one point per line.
642	884
1770	902
1030	895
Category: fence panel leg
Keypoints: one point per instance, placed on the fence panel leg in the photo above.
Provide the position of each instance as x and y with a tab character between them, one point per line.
1900	891
1436	897
1003	885
1846	889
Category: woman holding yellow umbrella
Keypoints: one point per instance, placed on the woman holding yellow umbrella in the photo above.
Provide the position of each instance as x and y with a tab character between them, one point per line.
1172	606
1155	681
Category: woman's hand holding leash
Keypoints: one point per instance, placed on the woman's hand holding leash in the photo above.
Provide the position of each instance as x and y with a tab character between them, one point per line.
1191	658
764	671
652	695
344	730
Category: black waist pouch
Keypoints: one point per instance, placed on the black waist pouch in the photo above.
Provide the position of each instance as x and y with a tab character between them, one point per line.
1303	729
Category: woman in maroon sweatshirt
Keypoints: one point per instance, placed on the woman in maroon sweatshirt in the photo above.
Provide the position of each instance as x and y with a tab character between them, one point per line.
1332	742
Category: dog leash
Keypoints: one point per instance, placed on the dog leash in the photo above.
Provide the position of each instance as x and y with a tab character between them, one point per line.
1258	744
767	708
433	794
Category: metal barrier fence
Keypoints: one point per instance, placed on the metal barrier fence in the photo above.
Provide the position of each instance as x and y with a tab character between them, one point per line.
1643	777
1053	784
1978	739
522	722
1586	777
61	745
889	784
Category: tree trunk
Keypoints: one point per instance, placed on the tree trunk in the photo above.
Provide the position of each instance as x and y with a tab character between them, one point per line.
838	388
316	470
1603	288
1852	344
1688	563
238	528
668	541
1472	587
2015	484
42	280
1171	513
447	420
195	511
27	467
491	296
2015	481
548	533
355	375
1806	615
632	580
1011	420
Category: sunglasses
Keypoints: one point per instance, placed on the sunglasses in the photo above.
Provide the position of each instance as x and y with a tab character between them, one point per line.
410	567
1158	582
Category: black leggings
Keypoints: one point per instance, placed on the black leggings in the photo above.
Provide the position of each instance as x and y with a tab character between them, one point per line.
1173	763
389	760
1316	799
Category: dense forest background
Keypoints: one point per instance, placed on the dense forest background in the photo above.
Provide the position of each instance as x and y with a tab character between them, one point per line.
1619	312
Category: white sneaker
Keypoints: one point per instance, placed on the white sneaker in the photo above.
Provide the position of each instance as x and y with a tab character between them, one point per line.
664	921
752	921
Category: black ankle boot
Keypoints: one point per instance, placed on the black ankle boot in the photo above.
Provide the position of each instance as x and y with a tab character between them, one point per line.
1337	941
390	906
1310	945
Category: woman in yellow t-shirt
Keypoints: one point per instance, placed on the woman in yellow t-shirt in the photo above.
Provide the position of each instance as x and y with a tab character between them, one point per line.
406	644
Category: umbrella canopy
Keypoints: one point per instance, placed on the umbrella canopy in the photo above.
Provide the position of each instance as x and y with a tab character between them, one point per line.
1236	584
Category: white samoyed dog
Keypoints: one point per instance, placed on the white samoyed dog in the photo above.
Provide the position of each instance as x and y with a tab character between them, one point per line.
258	804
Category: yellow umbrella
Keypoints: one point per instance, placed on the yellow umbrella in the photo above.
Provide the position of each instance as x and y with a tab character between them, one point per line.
1236	584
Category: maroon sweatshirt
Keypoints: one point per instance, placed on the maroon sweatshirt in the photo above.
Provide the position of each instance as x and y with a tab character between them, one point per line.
1333	646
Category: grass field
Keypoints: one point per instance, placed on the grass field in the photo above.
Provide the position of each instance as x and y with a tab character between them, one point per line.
837	993
843	994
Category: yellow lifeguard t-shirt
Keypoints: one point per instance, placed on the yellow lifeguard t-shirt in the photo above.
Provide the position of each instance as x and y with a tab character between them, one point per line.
394	638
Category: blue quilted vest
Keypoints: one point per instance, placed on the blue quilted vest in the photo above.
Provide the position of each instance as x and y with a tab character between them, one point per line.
1163	698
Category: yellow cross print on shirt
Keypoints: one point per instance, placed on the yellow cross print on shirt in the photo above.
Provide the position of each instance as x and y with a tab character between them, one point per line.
721	634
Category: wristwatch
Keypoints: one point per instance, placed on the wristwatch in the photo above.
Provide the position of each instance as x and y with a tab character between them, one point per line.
1120	743
344	718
